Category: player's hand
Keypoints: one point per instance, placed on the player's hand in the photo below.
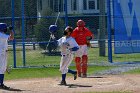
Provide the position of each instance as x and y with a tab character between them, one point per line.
88	38
88	44
52	36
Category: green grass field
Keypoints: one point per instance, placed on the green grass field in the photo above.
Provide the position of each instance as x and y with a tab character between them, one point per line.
21	73
36	58
135	71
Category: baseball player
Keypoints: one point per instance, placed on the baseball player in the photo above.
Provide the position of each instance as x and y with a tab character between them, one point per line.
82	36
3	51
68	46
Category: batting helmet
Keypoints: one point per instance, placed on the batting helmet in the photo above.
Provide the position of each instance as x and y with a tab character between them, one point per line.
53	28
80	23
3	27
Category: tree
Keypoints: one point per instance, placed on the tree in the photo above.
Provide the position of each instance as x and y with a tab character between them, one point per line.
42	29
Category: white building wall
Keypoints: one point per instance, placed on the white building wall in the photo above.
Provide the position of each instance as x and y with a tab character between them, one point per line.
45	5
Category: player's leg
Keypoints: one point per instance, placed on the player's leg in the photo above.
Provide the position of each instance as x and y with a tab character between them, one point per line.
63	81
78	65
65	62
78	61
84	65
3	65
84	60
70	58
1	79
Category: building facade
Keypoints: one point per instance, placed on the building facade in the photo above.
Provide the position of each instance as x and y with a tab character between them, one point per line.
73	6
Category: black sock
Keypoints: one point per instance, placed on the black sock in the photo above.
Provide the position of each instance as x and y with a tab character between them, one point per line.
1	79
63	77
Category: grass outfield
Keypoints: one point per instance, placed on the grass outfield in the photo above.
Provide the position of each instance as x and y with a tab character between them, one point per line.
135	71
36	58
22	73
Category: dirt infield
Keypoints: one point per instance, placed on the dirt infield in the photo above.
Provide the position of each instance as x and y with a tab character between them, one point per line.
119	83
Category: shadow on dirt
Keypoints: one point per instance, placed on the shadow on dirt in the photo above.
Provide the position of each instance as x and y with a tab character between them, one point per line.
77	85
95	77
13	89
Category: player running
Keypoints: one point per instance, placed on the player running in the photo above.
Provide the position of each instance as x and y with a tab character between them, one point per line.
68	46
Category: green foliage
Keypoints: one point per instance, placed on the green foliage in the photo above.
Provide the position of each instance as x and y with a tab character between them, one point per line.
42	28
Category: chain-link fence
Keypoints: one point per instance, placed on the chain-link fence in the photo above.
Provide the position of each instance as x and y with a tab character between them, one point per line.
32	18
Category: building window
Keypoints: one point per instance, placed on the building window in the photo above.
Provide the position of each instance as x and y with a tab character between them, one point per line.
56	6
85	4
91	4
40	4
73	4
51	4
61	5
98	4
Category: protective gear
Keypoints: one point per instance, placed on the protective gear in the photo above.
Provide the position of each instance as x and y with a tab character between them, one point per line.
81	23
3	27
53	29
78	65
80	36
84	64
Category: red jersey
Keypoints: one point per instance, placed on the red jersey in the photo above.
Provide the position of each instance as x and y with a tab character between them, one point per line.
80	35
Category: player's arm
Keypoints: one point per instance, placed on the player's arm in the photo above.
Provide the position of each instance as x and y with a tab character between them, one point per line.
11	37
74	48
89	37
74	33
56	42
74	45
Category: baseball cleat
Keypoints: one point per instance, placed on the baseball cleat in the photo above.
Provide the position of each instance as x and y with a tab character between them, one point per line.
79	75
84	76
63	82
4	87
75	75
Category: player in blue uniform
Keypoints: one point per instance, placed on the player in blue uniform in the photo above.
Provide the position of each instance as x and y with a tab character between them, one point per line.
68	46
3	51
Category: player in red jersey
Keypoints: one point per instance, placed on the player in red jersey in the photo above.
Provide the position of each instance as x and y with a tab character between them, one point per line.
82	36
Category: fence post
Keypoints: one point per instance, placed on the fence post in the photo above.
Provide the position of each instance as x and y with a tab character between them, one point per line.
13	25
66	14
102	24
109	32
23	31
